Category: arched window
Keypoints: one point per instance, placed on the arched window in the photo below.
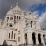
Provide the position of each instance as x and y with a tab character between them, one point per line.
29	13
31	23
11	18
39	38
17	17
12	35
25	36
34	38
9	35
7	18
44	35
10	25
14	17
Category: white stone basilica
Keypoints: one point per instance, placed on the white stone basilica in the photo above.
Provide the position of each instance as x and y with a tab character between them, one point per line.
19	28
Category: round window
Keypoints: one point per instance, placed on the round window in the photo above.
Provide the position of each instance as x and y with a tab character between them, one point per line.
10	25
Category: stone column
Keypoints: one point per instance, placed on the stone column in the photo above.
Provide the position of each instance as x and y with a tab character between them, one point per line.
42	39
23	37
29	38
37	42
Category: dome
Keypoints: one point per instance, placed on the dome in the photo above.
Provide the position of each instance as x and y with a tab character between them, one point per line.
10	12
17	8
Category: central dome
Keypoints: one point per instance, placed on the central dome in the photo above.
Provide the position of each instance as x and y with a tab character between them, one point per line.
17	8
14	10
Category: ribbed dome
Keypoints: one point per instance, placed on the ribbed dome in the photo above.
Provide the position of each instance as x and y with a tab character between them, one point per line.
17	8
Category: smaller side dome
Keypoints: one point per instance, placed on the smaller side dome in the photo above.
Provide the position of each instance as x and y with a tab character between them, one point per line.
10	12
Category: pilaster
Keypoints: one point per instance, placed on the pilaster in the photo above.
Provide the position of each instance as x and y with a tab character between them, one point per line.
37	42
42	40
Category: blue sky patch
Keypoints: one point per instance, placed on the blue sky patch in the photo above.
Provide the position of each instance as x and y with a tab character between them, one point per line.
41	8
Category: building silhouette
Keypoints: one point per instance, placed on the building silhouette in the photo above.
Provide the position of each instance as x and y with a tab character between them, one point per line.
21	29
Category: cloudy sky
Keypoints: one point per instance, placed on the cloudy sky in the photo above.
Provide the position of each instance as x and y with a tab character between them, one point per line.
37	7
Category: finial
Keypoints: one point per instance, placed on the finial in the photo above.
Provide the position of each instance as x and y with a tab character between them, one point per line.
11	7
17	4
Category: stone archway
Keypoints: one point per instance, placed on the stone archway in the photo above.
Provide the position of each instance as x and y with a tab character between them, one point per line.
25	38
33	38
39	38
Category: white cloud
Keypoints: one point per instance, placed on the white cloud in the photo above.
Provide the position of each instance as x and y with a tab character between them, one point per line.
42	18
35	13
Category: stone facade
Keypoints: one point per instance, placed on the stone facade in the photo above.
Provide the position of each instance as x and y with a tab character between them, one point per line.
19	28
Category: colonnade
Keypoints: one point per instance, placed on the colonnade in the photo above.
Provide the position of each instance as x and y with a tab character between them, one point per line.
34	38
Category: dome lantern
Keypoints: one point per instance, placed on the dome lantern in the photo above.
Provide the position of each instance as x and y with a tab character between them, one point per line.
17	4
